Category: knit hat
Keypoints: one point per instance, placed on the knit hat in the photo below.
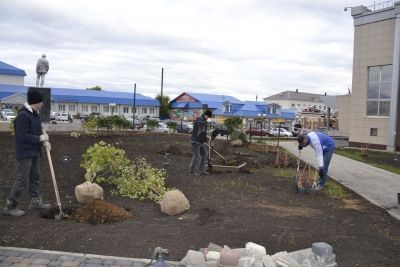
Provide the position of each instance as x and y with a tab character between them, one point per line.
34	97
208	113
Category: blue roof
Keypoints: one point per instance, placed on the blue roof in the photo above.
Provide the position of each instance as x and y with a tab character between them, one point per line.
85	96
10	70
213	99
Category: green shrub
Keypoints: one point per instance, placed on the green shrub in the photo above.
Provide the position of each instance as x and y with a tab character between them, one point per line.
172	125
134	179
152	124
232	125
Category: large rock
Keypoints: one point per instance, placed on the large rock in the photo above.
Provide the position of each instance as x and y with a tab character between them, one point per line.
87	192
174	202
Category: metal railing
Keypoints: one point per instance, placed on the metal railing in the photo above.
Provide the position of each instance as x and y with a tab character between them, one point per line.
377	6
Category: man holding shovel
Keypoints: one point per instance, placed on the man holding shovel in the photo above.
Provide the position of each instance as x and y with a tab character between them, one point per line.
199	143
323	146
29	138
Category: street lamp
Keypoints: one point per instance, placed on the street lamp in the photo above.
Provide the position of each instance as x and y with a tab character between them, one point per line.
112	106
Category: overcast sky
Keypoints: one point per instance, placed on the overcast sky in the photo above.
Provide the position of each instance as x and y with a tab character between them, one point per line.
241	48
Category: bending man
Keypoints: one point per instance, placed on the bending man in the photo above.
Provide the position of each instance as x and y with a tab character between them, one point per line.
323	146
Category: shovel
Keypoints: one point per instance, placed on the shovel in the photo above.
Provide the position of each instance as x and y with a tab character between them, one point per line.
53	176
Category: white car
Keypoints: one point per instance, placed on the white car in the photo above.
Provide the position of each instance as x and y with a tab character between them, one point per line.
283	132
9	116
63	117
161	127
6	110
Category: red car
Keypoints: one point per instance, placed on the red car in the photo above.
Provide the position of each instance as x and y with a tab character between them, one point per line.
257	131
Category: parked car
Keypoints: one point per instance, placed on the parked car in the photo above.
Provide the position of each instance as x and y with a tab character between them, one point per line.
183	128
138	124
257	131
281	131
6	110
161	127
9	116
54	115
63	116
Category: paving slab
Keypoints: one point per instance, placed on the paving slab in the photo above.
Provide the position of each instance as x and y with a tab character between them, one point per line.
11	256
378	186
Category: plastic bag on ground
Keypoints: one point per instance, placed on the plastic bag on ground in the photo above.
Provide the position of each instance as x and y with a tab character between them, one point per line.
255	250
229	257
193	258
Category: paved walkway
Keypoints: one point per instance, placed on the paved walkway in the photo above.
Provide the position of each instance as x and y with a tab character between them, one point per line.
23	257
378	186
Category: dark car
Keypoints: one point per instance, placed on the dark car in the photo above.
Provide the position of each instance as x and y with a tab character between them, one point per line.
183	128
257	131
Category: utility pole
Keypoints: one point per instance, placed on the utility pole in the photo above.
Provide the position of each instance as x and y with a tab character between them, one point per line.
134	106
162	81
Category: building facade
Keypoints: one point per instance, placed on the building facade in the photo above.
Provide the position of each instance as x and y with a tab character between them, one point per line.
11	75
374	109
82	102
189	106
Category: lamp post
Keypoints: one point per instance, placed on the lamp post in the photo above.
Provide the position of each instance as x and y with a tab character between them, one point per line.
134	106
112	106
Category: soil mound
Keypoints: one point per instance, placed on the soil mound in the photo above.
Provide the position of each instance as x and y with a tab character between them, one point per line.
100	211
172	149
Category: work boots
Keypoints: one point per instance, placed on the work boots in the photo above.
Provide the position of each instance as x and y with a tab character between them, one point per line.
37	204
12	210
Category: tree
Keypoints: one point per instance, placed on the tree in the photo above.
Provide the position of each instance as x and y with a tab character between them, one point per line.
164	104
97	88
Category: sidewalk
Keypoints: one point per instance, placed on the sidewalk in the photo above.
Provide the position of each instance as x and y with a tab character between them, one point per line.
378	186
24	257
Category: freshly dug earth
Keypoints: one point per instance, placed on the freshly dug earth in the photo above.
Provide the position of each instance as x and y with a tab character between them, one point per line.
258	205
100	211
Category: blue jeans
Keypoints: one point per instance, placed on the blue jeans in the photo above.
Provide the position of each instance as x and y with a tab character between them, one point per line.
327	161
199	150
28	172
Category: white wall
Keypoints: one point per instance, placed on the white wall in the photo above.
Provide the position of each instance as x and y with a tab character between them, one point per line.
11	79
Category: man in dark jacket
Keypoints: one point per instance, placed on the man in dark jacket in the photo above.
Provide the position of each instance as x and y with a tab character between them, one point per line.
199	145
28	141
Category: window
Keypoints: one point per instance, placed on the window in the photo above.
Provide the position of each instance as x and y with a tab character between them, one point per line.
227	108
152	111
374	132
93	108
61	107
324	107
125	110
144	110
293	105
71	107
85	108
106	109
379	90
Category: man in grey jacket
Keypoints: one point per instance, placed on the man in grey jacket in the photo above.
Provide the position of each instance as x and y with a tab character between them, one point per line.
42	67
198	141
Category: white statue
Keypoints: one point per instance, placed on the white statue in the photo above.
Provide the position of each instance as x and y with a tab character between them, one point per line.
42	67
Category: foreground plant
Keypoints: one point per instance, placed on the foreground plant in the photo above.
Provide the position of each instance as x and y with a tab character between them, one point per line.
135	179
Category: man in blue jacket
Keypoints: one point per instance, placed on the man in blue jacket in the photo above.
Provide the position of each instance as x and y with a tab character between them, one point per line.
28	141
323	146
199	145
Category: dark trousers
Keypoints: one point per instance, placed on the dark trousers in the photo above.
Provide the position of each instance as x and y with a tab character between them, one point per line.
199	151
28	171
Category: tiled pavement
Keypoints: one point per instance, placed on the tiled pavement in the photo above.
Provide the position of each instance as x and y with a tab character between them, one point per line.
23	257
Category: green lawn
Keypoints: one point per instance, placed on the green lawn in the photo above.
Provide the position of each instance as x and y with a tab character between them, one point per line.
382	160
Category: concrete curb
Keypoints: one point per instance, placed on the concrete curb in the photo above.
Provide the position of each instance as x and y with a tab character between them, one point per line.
81	255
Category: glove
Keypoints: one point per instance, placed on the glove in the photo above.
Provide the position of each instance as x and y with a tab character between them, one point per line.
47	145
300	147
44	138
321	172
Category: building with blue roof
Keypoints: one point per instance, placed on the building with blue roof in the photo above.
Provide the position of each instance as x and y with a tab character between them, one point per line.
11	75
84	102
189	106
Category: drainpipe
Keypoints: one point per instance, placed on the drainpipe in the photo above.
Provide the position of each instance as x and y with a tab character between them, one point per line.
395	89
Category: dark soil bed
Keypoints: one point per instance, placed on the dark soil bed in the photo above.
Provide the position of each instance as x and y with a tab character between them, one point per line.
257	205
